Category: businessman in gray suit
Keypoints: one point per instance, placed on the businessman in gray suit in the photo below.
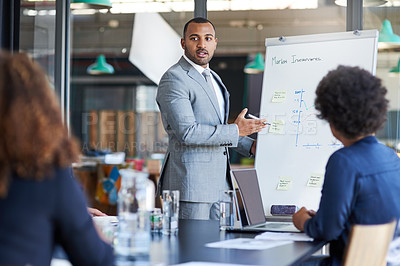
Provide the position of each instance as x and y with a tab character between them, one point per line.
194	105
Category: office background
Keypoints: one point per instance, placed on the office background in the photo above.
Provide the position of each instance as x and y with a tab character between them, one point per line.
118	111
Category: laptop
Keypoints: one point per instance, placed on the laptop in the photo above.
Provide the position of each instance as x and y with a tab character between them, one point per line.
250	208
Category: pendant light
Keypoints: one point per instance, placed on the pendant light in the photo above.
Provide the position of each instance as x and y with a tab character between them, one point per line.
90	4
396	69
100	67
256	66
386	34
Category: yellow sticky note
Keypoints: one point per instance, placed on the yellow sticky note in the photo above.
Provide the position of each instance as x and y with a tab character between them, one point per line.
277	127
279	96
315	180
285	183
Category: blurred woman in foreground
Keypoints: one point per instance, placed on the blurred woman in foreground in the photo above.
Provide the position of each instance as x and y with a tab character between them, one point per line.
41	205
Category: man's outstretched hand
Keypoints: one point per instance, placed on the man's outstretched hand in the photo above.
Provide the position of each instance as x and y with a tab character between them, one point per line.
249	126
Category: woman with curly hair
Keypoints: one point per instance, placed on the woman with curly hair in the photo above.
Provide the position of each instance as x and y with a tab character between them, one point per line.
362	179
41	205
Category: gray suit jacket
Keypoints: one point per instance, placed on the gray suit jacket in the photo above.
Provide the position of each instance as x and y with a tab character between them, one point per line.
196	162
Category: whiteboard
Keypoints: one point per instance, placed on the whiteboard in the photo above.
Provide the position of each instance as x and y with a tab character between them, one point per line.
292	152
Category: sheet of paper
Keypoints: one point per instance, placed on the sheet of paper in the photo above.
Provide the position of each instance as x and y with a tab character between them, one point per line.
273	236
279	96
315	180
201	263
248	243
60	262
113	220
393	256
277	127
285	183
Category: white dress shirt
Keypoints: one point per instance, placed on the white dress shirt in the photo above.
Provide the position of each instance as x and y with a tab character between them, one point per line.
217	89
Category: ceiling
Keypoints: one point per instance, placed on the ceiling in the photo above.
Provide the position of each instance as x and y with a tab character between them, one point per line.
238	32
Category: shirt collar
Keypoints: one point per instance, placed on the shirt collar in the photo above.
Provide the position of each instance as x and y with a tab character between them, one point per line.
369	139
199	68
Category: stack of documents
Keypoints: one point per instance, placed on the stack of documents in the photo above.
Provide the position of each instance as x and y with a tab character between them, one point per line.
263	241
284	236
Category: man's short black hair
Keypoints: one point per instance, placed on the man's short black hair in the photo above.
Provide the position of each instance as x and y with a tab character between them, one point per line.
196	20
352	100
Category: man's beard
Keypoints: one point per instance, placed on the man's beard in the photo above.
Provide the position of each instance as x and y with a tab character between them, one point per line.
202	61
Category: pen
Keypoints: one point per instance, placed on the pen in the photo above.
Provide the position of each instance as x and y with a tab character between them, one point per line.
255	117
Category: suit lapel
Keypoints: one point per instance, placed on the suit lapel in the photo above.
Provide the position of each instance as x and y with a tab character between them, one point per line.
195	75
225	93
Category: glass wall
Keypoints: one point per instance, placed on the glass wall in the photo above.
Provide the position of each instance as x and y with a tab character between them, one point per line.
37	32
388	59
241	34
111	111
127	96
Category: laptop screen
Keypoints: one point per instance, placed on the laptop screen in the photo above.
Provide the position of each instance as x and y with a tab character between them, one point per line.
250	196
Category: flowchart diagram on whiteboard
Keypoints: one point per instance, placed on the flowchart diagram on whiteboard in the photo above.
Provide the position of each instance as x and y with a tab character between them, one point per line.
292	152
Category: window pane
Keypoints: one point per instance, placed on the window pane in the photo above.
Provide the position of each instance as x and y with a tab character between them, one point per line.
117	111
37	32
388	59
241	34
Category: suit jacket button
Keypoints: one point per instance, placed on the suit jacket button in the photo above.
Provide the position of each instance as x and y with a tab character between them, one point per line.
224	152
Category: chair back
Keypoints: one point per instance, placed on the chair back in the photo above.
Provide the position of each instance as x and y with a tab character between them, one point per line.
369	244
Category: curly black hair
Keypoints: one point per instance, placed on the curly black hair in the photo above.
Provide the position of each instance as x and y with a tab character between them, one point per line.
352	100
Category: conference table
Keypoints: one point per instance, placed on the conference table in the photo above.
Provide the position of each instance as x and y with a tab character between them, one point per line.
189	246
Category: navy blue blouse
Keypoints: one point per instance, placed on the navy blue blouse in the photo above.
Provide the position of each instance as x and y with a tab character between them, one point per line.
361	186
37	215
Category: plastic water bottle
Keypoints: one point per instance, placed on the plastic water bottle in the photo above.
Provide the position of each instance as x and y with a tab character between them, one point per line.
135	201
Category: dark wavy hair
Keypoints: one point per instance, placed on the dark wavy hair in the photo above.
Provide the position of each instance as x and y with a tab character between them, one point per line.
33	139
352	100
196	20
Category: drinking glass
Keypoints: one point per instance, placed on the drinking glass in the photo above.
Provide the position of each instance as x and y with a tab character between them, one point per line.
226	215
170	200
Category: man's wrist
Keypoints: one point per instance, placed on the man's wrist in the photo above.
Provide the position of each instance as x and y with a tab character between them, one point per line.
237	128
253	150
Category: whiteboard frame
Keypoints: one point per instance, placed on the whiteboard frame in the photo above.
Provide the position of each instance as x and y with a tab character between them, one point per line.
316	38
324	37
